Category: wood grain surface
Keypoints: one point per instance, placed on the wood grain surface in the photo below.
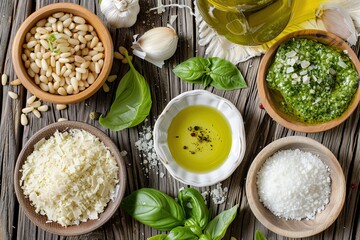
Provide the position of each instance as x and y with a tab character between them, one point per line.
343	140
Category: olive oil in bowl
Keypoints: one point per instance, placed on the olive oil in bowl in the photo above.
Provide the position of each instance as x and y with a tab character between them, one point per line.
199	138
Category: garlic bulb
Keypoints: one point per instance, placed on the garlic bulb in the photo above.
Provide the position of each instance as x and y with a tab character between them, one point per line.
120	13
334	18
156	45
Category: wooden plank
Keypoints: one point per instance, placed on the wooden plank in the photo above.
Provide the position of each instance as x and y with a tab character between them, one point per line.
12	13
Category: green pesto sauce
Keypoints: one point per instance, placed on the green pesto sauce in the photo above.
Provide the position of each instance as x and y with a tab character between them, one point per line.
315	83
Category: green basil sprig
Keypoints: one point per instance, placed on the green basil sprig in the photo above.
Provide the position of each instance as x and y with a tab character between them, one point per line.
132	102
217	227
214	71
188	220
154	208
193	203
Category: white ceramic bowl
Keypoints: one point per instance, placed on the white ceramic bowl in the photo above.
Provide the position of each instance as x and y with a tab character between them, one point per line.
231	114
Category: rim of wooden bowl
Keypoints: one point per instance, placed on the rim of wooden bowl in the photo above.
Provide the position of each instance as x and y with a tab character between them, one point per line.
40	220
294	228
282	118
44	12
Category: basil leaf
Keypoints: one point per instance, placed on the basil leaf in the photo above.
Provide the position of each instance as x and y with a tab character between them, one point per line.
194	205
194	227
207	80
154	208
158	237
217	227
192	69
204	237
259	235
132	102
225	75
181	233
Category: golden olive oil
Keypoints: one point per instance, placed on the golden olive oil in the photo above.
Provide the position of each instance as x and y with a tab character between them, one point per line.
199	138
247	22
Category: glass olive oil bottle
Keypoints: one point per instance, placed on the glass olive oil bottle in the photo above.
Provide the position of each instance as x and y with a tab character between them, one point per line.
247	22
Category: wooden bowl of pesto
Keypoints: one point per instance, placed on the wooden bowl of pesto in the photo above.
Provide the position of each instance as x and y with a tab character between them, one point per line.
308	81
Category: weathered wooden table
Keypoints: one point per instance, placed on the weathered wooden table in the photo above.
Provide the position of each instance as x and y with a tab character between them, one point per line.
343	141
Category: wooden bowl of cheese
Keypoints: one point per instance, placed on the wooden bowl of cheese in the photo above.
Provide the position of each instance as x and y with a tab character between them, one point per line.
69	178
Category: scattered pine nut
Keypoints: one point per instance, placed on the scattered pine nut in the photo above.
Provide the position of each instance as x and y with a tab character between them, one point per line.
27	109
35	104
4	79
31	99
117	55
36	113
61	107
122	50
94	115
62	119
106	88
125	61
111	78
15	82
12	95
23	120
43	108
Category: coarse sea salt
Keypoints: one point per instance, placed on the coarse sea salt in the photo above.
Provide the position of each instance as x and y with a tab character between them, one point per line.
294	184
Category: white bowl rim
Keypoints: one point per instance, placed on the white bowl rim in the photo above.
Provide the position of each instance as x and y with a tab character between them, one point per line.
189	177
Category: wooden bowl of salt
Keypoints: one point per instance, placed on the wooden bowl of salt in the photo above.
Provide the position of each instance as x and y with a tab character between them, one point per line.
305	226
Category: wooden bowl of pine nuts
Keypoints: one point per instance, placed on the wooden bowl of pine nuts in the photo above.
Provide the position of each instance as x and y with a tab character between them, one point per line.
62	53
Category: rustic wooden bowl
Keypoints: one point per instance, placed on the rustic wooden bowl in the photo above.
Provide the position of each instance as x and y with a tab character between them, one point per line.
293	228
270	104
40	220
44	12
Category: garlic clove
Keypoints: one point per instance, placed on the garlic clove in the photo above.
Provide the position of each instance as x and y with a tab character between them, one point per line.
120	13
156	45
334	18
142	55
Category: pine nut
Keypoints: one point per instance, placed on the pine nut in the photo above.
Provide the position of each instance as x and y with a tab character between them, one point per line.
41	23
52	20
36	113
61	107
94	41
4	79
62	119
35	104
31	99
79	20
80	70
44	87
97	68
27	109
106	88
15	82
70	89
67	22
122	50
118	55
111	78
51	87
23	120
43	108
31	44
12	95
58	14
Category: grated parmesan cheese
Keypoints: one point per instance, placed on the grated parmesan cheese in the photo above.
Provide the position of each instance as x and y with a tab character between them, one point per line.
294	184
70	177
